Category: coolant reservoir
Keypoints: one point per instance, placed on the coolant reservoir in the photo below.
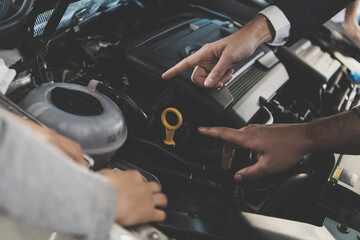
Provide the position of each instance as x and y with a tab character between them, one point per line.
82	114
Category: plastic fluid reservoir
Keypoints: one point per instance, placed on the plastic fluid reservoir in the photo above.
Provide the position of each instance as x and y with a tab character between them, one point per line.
82	114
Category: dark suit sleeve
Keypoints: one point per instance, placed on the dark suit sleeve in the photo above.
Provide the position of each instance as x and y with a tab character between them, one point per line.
306	16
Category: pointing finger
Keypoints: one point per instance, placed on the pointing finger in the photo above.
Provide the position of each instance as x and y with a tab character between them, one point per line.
226	134
186	64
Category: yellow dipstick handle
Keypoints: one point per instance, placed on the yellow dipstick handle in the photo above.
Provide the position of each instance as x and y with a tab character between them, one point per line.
170	130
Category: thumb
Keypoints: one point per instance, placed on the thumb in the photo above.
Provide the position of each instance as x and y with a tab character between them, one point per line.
250	173
218	71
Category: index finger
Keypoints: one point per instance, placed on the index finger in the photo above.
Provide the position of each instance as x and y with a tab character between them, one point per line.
226	134
186	64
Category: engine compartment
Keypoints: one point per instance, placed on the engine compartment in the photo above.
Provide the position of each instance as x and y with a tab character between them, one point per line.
129	46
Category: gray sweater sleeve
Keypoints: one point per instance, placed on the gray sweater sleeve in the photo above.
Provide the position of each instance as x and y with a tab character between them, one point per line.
40	185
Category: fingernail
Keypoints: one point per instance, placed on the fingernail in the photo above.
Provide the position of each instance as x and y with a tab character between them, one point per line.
238	178
201	129
208	82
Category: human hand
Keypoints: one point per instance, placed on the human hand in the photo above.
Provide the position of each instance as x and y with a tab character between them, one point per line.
137	200
213	61
278	147
350	23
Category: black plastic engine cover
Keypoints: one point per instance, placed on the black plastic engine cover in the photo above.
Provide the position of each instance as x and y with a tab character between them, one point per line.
261	75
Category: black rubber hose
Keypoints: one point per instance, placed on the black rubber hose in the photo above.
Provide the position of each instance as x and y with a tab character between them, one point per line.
119	98
205	169
199	181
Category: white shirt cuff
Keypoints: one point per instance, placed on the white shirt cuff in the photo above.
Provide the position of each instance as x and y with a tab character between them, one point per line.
280	24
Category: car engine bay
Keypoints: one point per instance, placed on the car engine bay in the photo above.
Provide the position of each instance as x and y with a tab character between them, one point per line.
91	70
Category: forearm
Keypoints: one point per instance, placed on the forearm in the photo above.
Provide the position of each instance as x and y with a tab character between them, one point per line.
263	29
339	133
40	185
260	28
